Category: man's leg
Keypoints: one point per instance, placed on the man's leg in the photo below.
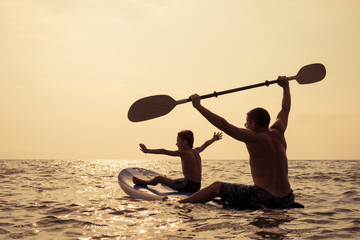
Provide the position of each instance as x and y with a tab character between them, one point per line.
204	195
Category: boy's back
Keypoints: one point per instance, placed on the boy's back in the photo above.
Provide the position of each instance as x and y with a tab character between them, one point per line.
191	165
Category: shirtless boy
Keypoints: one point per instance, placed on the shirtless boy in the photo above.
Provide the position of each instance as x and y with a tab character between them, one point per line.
267	157
190	161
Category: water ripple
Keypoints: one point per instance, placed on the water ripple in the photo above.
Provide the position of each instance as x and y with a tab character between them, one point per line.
78	199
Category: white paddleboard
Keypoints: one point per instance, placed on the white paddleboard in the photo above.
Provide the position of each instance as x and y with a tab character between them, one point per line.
159	191
149	193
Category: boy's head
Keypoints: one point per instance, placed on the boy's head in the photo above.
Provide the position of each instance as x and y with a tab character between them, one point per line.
260	116
188	136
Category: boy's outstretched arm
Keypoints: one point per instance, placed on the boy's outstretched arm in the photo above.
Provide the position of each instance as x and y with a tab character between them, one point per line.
216	137
144	149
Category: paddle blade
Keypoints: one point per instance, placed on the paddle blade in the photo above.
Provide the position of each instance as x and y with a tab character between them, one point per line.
151	107
311	73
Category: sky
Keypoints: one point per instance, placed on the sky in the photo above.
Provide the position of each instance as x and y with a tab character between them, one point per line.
70	70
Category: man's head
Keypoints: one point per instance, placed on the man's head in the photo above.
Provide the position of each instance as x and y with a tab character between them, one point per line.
187	136
259	116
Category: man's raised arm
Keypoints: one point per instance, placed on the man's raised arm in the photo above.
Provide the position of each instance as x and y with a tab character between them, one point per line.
240	134
282	117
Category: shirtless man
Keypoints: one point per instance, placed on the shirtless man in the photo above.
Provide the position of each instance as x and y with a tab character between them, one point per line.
190	161
267	155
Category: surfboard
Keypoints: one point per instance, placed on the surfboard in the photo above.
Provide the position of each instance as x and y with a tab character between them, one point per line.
160	191
150	192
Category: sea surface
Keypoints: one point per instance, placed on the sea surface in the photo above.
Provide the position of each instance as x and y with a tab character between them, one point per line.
81	199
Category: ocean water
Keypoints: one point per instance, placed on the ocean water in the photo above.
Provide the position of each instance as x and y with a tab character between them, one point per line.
80	199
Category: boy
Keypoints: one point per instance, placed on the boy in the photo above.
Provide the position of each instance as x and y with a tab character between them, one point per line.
190	161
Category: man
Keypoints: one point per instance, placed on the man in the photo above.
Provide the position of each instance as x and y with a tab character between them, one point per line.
267	155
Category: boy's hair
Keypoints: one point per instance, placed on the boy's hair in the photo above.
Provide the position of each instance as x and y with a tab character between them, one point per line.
188	136
260	116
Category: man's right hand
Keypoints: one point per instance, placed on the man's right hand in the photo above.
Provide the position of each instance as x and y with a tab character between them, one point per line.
195	99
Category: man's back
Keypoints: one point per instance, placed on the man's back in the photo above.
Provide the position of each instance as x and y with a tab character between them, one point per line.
268	162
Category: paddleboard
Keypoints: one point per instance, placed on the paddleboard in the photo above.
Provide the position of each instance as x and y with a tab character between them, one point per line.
159	191
150	192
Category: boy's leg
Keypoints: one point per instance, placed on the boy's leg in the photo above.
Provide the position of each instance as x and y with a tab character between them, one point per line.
158	179
139	181
166	181
205	194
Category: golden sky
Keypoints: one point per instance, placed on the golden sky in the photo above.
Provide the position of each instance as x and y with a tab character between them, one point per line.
71	69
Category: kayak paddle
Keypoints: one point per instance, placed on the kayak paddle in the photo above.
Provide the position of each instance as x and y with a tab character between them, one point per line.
159	105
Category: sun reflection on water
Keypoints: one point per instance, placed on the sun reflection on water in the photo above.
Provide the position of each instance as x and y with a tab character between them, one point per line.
81	199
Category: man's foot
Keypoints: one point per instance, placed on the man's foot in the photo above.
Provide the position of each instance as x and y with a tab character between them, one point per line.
139	181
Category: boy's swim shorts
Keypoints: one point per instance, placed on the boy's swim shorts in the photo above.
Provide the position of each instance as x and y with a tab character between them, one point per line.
186	186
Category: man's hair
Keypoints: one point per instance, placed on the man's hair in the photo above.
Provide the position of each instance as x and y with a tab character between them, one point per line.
260	116
188	136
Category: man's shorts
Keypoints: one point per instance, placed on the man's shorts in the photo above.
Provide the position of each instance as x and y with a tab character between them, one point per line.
252	197
186	186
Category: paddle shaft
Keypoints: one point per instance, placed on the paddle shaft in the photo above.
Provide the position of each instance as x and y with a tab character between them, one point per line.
216	94
159	105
